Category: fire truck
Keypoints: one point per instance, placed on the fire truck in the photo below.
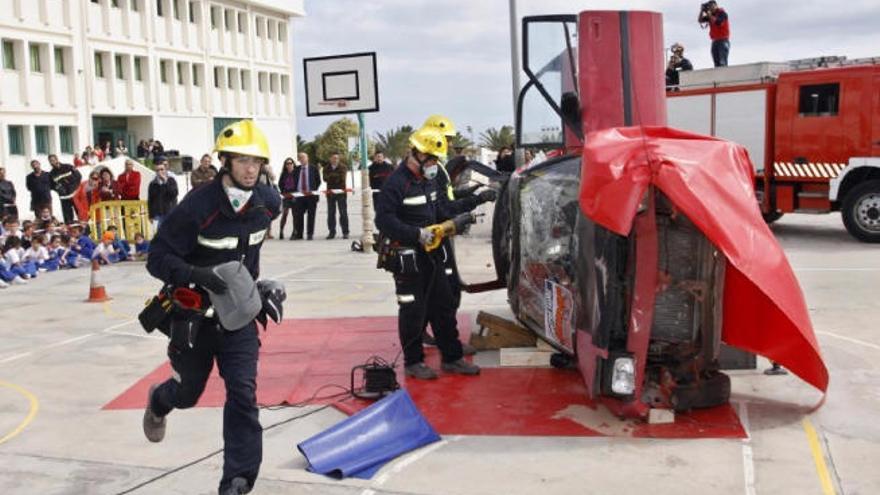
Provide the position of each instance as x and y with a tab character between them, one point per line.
812	129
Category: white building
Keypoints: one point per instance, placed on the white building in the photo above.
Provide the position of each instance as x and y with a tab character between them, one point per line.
82	72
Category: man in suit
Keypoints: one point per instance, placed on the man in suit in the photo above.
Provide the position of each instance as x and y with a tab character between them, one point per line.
307	180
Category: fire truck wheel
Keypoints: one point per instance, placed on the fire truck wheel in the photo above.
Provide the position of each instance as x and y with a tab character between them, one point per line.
861	211
772	216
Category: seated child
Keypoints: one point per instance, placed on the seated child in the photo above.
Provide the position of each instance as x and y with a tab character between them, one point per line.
120	245
7	276
39	255
59	248
13	253
105	253
141	247
81	243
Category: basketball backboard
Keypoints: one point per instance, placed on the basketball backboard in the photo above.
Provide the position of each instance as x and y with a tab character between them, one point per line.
341	84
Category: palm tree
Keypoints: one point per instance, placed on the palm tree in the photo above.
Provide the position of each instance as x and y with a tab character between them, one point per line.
395	142
459	141
495	139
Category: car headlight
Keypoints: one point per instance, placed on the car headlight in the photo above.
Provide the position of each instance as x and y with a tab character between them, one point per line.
623	376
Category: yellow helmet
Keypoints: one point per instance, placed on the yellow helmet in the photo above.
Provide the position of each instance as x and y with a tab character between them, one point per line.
442	124
430	141
243	138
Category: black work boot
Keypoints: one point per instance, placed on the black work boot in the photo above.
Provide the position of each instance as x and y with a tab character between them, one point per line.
461	367
154	426
467	349
237	486
420	371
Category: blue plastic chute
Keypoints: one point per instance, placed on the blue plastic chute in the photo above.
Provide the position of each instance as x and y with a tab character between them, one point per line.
360	445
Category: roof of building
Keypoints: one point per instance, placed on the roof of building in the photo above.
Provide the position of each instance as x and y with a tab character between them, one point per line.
290	7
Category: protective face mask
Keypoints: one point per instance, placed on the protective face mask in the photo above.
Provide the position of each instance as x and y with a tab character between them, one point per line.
430	172
237	197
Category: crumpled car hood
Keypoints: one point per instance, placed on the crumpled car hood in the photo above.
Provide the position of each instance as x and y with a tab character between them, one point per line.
710	181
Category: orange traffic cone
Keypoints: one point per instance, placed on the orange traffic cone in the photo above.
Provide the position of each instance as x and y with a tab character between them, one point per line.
96	288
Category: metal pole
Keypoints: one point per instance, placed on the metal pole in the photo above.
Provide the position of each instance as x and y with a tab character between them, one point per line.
514	52
515	70
366	191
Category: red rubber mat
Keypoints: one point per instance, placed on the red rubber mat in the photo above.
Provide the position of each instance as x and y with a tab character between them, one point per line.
300	357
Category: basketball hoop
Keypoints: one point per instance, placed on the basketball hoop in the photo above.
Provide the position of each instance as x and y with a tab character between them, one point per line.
341	84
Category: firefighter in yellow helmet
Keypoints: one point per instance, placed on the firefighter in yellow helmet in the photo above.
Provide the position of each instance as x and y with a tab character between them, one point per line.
459	204
225	220
409	203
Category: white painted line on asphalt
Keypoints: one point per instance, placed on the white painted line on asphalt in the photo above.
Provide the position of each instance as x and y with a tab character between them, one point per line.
747	453
406	461
141	335
14	357
818	269
850	340
341	281
106	331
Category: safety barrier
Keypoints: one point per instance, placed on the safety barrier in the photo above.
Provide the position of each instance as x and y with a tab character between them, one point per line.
130	217
327	192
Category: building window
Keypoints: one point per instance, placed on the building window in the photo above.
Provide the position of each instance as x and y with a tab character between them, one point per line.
192	12
259	27
8	55
244	80
216	77
159	10
120	72
195	75
99	64
180	68
819	100
114	3
41	135
273	83
59	60
138	74
65	133
261	82
230	78
175	4
134	5
16	140
35	58
281	31
215	16
163	71
242	22
227	19
285	81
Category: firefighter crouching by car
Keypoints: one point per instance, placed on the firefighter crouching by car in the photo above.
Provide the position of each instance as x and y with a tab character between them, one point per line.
408	205
207	252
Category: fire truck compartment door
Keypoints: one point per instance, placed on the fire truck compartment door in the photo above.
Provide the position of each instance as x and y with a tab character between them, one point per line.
875	118
710	182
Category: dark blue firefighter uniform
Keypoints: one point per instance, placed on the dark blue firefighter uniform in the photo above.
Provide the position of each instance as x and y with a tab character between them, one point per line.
422	280
204	230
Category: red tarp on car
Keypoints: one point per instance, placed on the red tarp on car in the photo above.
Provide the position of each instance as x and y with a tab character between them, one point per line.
711	182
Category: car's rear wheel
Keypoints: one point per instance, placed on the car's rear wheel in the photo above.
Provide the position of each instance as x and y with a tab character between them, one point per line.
501	233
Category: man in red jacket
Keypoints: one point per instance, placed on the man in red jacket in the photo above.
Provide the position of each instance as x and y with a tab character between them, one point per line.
128	184
719	31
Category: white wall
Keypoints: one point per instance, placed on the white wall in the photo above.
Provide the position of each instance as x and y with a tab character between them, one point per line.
189	135
281	134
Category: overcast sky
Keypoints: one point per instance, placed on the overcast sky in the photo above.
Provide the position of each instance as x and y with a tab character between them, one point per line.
453	56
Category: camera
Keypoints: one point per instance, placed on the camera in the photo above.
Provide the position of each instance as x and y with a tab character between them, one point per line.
704	7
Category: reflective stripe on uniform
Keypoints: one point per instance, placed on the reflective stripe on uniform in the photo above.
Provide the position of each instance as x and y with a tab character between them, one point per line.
415	200
433	195
257	237
405	298
222	243
450	271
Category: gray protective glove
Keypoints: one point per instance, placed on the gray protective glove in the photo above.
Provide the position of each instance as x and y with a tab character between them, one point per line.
205	277
425	236
273	296
462	220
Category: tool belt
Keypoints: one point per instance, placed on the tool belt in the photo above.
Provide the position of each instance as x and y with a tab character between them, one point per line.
396	258
177	312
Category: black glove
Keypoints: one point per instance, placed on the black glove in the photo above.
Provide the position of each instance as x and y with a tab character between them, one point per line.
487	196
462	221
273	295
205	277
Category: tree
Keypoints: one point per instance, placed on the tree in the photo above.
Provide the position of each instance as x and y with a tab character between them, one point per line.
459	141
394	143
307	147
335	140
495	139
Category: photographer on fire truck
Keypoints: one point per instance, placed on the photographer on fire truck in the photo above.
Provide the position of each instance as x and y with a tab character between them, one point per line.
716	19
